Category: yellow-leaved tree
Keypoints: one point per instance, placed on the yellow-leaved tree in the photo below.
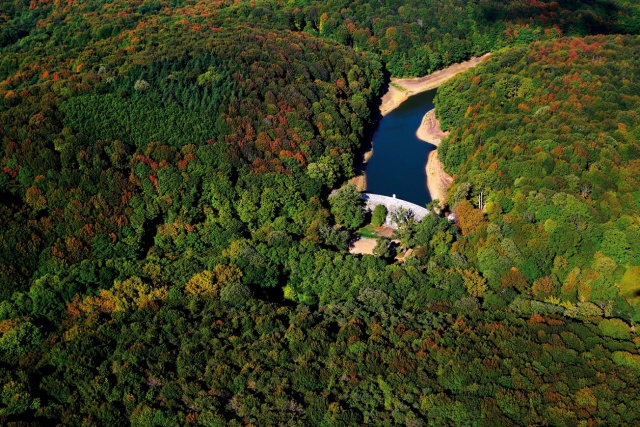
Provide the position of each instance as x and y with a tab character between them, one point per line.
475	284
208	283
130	294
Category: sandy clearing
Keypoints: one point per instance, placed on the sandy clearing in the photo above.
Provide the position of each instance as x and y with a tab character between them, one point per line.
401	89
363	246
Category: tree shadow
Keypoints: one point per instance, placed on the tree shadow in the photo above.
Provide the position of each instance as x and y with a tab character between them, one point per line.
573	17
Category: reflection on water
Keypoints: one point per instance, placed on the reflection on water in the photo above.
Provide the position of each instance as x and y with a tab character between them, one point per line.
399	157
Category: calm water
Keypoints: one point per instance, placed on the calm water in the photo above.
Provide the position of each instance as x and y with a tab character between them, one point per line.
399	157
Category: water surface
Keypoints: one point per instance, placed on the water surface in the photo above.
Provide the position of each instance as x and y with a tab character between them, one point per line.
399	157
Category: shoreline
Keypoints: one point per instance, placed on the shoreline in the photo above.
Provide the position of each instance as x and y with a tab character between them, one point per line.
430	130
438	181
401	89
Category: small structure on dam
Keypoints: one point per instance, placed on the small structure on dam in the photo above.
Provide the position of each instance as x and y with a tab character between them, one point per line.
393	204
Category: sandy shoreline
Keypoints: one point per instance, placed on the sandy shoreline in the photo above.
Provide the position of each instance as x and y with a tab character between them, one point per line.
401	89
438	181
430	130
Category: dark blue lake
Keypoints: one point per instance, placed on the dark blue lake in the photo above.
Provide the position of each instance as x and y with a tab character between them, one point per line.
399	157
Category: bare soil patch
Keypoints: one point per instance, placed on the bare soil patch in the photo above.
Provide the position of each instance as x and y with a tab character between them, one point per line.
360	182
363	246
384	231
430	130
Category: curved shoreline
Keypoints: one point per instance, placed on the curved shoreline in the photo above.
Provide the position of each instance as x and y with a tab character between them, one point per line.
430	130
401	89
438	181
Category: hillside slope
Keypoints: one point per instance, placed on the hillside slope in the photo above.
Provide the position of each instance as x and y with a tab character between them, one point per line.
551	136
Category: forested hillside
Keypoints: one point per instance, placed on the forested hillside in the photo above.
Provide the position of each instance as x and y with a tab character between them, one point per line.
412	37
170	254
550	134
158	357
186	151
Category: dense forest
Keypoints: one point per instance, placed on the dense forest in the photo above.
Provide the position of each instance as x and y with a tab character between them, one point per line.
550	135
411	37
170	253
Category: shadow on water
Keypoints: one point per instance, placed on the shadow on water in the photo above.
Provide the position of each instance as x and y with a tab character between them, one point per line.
399	157
369	131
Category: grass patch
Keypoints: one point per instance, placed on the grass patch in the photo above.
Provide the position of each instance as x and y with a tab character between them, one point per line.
368	231
397	86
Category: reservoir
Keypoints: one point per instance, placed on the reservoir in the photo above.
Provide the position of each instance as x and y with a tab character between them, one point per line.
399	157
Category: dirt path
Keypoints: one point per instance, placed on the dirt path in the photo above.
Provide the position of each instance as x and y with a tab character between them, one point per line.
401	89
